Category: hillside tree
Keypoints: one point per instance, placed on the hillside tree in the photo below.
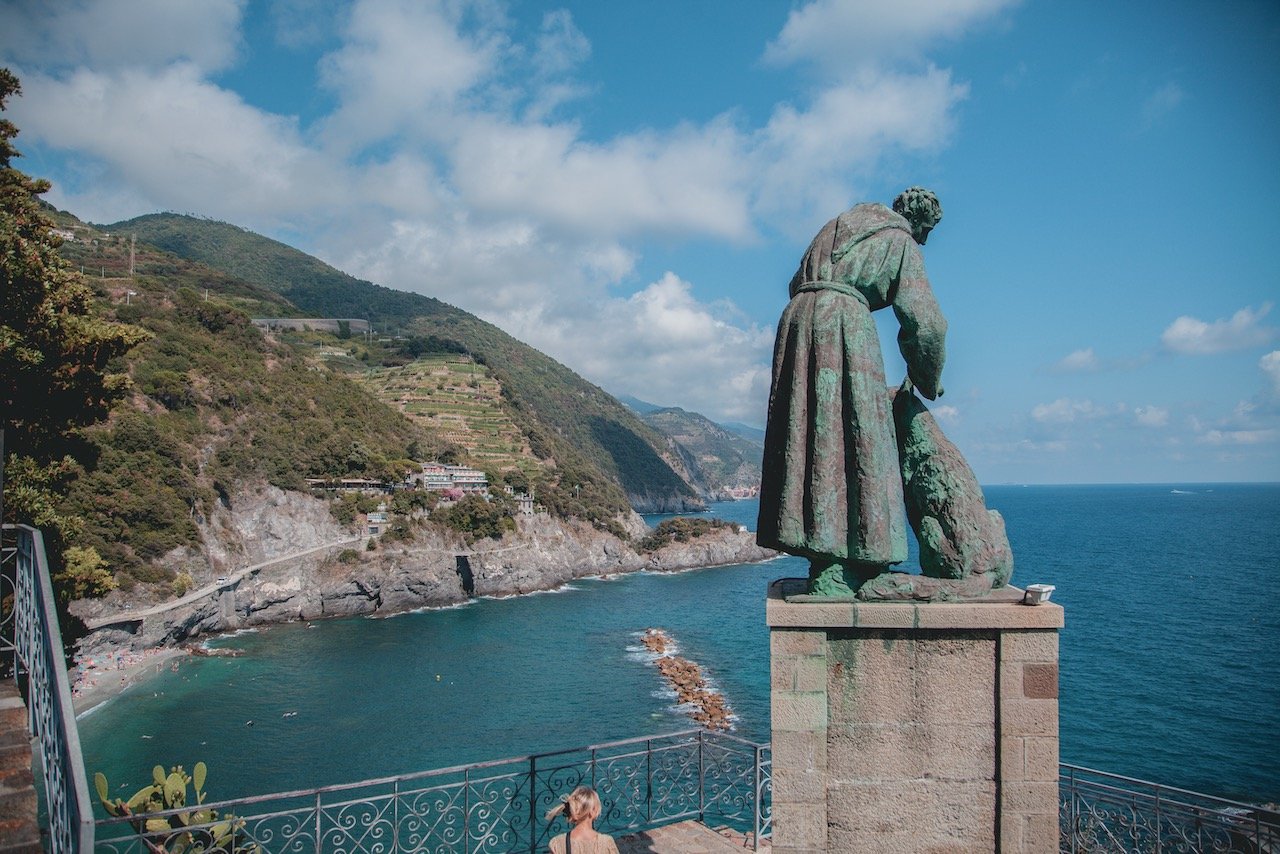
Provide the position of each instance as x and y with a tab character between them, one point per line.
55	357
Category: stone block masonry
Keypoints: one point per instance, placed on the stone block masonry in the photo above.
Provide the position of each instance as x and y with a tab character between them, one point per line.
903	727
19	831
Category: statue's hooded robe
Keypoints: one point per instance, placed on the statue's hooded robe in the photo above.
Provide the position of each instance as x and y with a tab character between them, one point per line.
831	488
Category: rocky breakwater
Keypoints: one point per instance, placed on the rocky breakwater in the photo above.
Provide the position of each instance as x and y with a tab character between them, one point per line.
272	557
707	705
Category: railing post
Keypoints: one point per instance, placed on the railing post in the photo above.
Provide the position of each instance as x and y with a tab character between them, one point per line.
533	804
755	837
702	780
648	780
1159	846
1073	813
319	839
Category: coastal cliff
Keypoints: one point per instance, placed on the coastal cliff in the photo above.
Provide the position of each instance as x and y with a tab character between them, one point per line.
313	568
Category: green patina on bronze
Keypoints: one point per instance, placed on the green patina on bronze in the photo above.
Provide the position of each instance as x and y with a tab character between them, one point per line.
839	469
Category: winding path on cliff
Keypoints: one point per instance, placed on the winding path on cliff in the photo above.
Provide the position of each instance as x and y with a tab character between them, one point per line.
209	589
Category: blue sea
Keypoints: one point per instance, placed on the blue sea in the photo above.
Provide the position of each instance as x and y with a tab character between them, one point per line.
1169	666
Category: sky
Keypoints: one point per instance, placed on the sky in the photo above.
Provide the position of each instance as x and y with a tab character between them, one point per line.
630	186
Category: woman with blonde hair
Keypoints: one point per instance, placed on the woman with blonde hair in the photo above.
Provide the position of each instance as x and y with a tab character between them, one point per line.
582	807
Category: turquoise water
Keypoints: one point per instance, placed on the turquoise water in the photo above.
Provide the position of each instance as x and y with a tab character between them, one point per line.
1169	670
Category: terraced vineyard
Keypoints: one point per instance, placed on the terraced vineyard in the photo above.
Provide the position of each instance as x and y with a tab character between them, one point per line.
460	401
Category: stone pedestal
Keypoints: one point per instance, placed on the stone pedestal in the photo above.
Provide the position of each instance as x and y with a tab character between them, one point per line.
902	727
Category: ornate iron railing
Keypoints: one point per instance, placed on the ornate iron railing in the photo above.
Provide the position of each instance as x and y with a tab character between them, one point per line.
1101	812
498	806
488	806
33	652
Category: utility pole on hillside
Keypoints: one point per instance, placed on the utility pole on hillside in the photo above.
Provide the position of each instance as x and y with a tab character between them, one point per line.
133	245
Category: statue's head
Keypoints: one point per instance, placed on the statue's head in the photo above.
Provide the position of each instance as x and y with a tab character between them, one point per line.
920	207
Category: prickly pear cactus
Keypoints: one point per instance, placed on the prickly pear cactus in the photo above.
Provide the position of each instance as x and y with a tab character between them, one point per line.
184	831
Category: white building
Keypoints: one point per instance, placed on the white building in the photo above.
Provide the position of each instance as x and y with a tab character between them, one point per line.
438	477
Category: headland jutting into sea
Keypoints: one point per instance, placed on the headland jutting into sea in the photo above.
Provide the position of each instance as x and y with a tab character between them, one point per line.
320	580
1166	673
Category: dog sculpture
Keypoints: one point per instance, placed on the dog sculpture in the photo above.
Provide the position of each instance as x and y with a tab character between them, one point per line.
964	551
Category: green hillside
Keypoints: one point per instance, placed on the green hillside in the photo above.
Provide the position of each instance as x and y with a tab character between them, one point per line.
215	403
723	459
600	455
453	395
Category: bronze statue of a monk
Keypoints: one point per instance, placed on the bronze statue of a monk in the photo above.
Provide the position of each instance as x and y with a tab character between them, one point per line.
831	487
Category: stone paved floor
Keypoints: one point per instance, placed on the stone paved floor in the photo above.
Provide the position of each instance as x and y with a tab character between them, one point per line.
687	837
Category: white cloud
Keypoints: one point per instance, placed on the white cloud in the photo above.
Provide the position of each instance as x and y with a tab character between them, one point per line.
1066	411
559	49
806	158
1270	365
1078	361
661	344
1195	337
1019	448
835	33
1161	103
404	65
439	169
561	46
1151	416
110	35
689	180
1239	437
181	142
946	413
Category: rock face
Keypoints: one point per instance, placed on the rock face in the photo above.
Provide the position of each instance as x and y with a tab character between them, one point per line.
436	568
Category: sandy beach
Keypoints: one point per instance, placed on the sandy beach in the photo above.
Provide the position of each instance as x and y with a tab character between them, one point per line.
96	679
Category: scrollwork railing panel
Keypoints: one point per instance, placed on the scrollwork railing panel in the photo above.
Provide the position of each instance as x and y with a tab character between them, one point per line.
1105	813
492	807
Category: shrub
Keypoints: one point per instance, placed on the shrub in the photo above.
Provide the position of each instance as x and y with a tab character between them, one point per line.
476	518
679	530
84	573
183	584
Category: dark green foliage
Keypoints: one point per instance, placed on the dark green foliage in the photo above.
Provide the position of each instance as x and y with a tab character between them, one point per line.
55	349
679	530
347	506
406	501
400	530
415	346
140	498
648	472
58	365
344	512
476	518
